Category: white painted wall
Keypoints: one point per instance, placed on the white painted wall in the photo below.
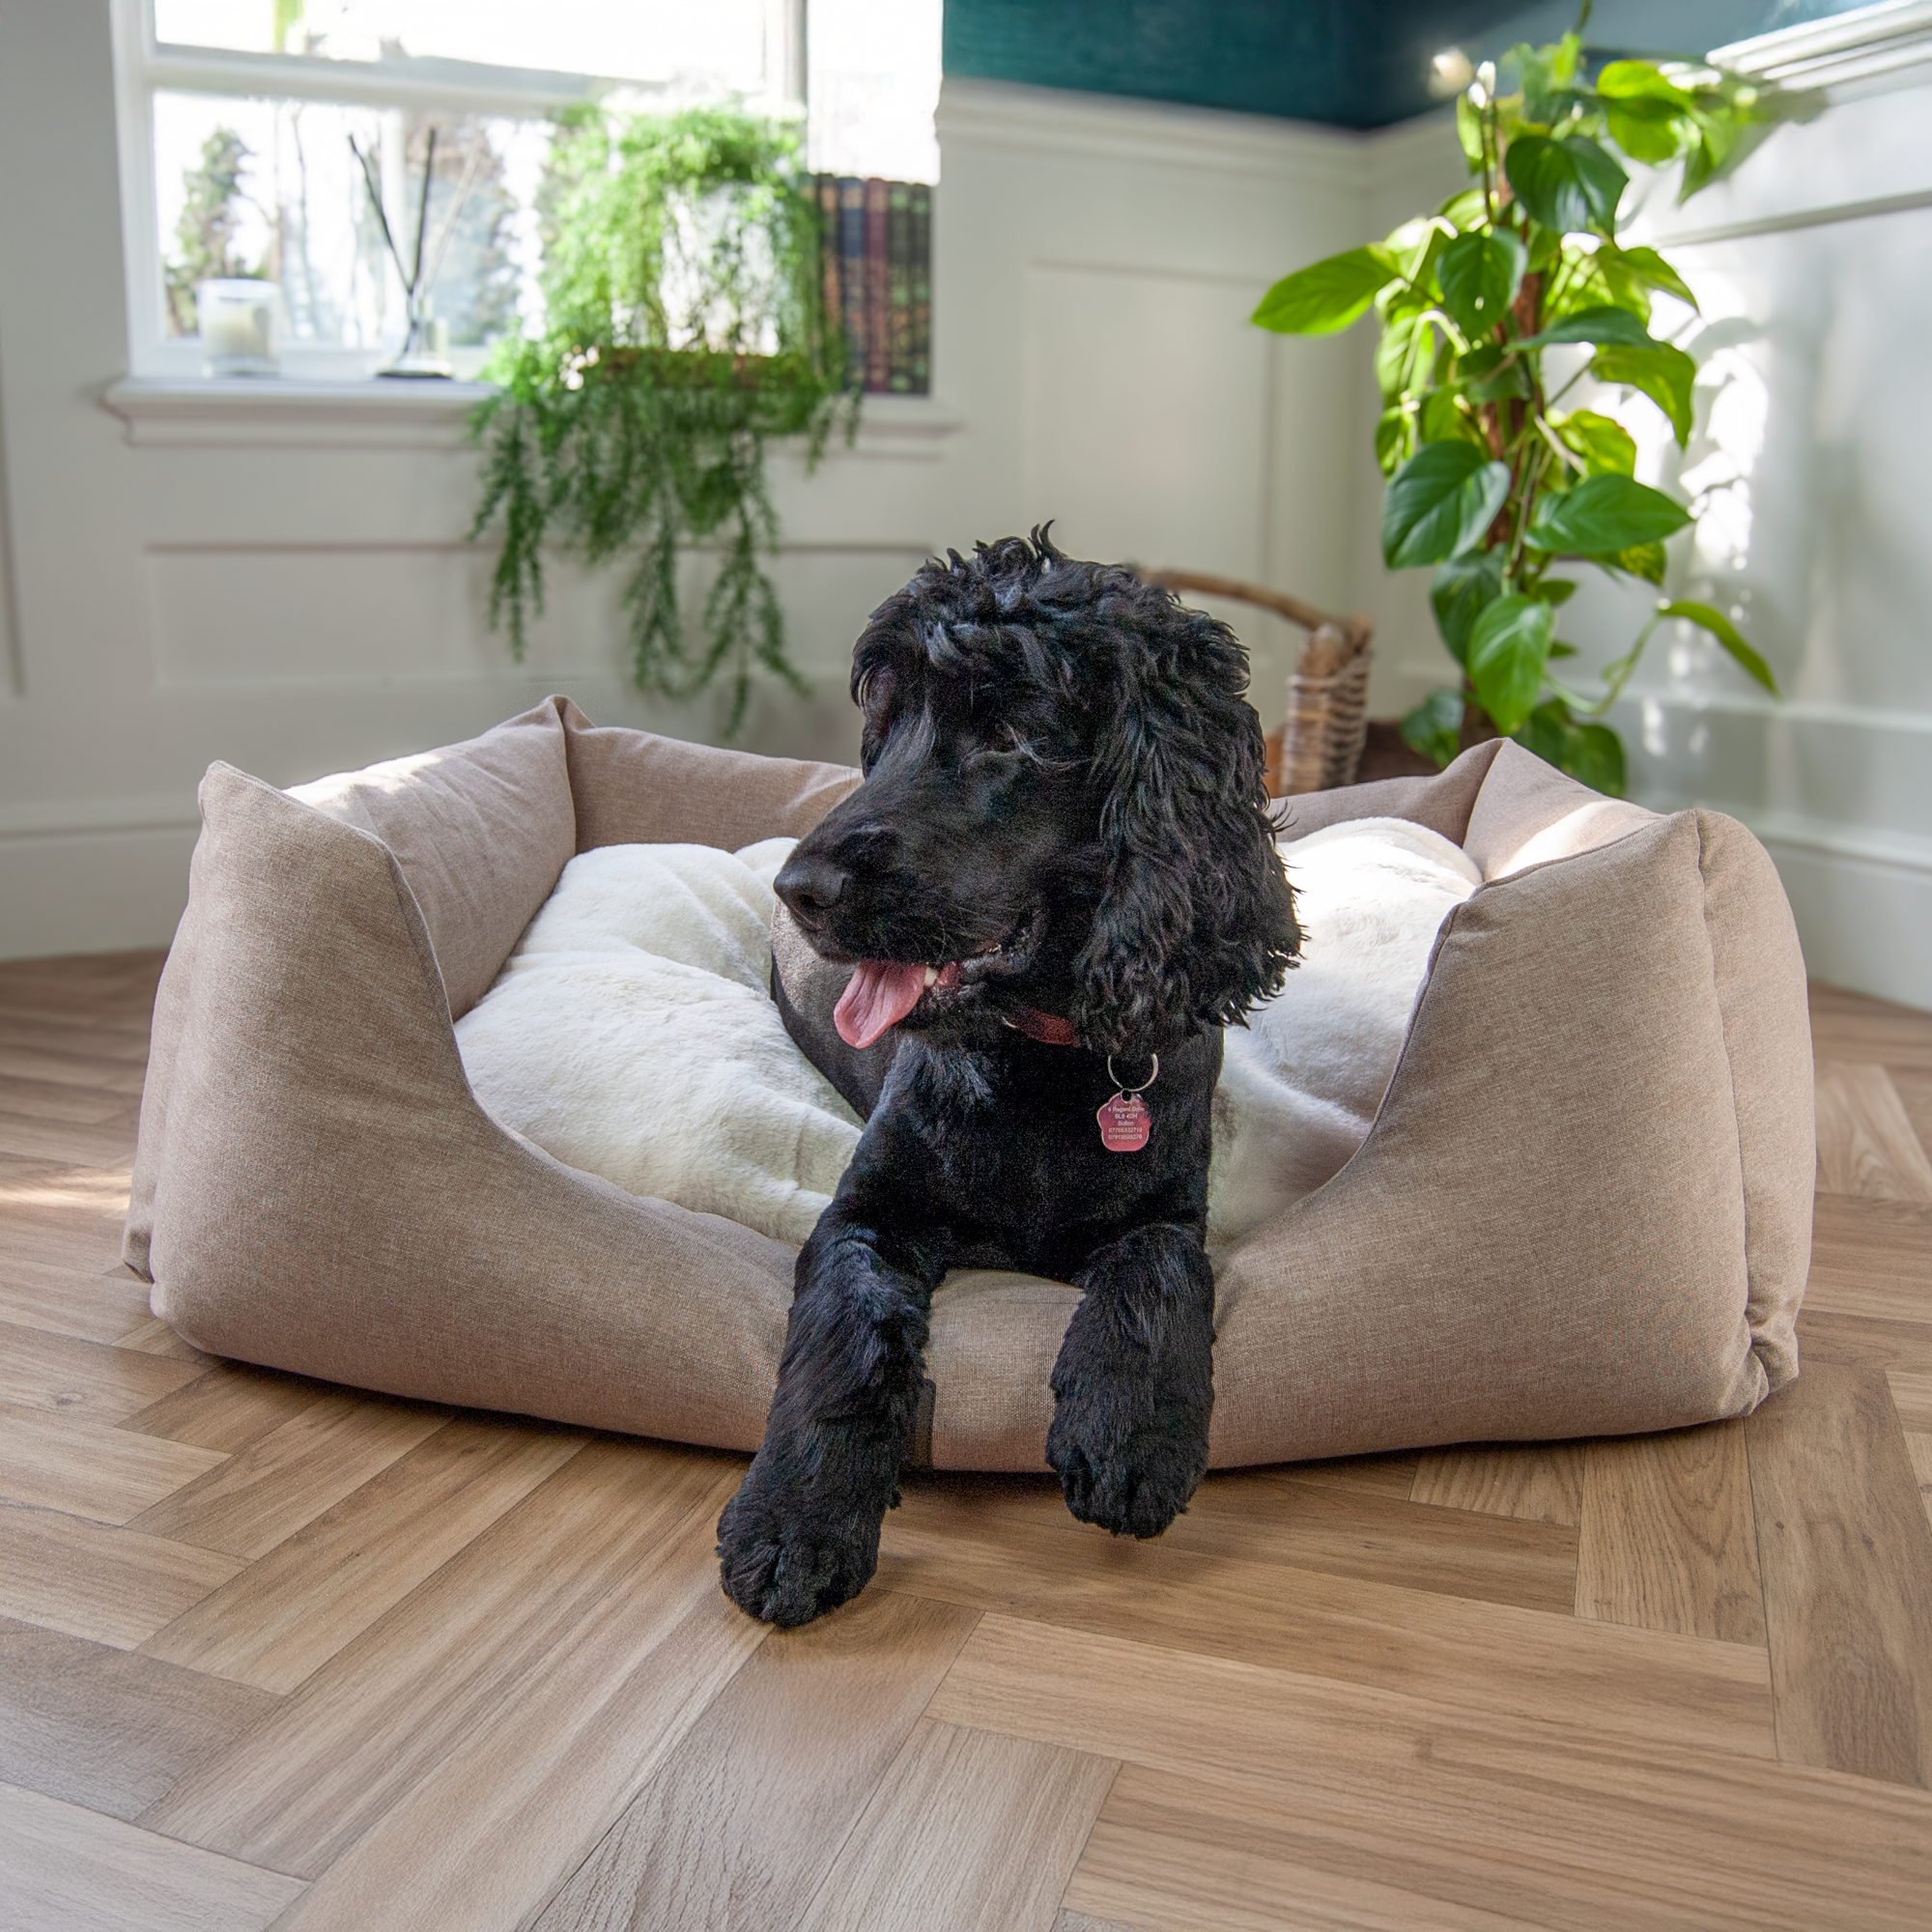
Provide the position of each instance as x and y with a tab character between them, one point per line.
284	585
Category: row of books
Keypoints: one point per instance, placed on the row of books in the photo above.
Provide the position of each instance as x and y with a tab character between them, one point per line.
878	279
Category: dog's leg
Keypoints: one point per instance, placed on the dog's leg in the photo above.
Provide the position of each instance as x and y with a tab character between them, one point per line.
1134	1385
802	1535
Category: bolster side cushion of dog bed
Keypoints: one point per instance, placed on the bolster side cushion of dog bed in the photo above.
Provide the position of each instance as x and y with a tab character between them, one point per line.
1583	1205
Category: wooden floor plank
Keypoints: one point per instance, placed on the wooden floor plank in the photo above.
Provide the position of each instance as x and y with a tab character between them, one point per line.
486	1840
108	1729
1864	1341
1847	1559
89	984
229	1407
285	1616
954	1543
1265	1514
1377	1475
1270	1516
1915	1094
1170	1854
114	1585
97	1304
375	1720
1539	1821
36	1138
741	1825
968	1832
55	1100
1668	1538
87	1038
105	1074
64	1215
154	1337
1911	1397
68	1869
254	1499
39	1370
1534	1482
1866	1143
1851	1026
56	1460
1871	1258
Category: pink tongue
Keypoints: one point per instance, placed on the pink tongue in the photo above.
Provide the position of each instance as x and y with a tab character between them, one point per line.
880	994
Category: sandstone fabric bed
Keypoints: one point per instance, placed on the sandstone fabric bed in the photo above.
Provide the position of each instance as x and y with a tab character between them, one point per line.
1584	1206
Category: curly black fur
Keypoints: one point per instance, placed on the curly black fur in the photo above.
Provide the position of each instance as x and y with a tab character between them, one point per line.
1063	795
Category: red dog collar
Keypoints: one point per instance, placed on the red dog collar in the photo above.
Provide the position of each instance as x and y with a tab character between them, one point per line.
1049	1029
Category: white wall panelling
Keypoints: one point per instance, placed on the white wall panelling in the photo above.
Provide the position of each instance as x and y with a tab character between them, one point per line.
277	577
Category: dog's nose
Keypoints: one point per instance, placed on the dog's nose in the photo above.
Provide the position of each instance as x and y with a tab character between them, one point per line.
810	885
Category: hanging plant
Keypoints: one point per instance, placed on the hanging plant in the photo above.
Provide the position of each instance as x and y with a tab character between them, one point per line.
1492	479
685	328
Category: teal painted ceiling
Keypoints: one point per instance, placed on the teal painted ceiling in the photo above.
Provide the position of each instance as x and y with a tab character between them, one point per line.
1347	62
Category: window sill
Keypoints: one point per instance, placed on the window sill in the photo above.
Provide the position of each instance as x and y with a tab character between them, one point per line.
289	412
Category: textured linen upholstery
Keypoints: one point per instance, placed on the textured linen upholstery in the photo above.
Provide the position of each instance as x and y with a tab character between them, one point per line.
1584	1205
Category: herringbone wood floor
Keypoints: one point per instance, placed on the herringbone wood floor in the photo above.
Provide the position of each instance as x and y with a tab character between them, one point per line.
278	1653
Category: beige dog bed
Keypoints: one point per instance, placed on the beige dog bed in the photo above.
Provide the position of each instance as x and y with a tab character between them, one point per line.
1583	1207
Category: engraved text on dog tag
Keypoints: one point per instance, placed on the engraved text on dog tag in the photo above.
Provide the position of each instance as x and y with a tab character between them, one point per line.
1124	1121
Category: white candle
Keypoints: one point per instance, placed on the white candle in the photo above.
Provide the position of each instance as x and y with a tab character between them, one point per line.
238	326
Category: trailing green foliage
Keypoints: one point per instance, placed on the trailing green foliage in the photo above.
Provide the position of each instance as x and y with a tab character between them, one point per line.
685	328
1488	478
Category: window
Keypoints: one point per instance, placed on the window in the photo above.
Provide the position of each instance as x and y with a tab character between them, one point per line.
254	129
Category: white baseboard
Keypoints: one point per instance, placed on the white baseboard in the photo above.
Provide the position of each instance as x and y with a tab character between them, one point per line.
92	891
1865	923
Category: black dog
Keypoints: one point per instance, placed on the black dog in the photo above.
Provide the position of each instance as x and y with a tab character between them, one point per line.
1062	852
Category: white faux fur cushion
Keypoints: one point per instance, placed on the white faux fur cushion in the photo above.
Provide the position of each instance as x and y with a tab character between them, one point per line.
631	1033
1300	1083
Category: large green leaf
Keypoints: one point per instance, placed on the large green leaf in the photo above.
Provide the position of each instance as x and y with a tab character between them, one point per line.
1606	324
1663	374
1395	438
1327	296
1604	444
1439	502
1591	753
1566	185
1469	131
1507	651
1479	277
1644	560
1463	588
1648	117
1640	80
1582	283
1725	631
1603	514
1646	266
1444	418
1406	354
1434	727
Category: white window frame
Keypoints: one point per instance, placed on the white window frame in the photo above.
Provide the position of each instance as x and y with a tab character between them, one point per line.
144	66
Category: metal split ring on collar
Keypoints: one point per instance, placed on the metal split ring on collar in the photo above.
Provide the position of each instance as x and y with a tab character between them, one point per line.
1144	1084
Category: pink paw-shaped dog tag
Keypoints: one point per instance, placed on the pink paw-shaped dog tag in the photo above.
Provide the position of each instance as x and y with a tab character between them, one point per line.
1124	1123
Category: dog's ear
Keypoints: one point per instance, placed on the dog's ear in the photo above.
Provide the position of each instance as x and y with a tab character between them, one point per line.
1195	920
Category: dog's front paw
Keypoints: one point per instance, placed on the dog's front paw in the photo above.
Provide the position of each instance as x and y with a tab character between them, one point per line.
1132	1481
790	1552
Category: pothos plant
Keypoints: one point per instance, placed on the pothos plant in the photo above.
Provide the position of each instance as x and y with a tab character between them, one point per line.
1491	478
685	329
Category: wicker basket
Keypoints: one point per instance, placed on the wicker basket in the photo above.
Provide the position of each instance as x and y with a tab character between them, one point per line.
1320	743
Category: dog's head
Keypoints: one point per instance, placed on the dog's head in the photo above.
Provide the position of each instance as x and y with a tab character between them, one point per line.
1064	813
